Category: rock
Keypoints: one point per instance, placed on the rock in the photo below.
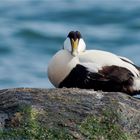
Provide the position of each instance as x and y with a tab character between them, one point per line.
41	114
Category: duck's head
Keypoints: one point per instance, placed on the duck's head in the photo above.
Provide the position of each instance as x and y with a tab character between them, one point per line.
74	43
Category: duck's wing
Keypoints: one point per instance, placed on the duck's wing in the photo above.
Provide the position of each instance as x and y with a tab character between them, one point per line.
110	78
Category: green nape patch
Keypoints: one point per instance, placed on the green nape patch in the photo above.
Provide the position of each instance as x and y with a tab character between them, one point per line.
25	125
104	127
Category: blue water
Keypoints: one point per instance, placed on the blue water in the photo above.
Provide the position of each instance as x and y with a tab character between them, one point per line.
31	31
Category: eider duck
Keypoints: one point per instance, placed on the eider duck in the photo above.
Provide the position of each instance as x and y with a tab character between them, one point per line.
74	66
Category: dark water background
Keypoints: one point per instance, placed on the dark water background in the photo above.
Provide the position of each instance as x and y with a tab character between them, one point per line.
31	31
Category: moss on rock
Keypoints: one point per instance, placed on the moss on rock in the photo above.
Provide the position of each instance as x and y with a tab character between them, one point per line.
105	127
68	114
30	128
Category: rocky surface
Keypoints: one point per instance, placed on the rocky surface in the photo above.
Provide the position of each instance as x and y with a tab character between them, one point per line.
41	114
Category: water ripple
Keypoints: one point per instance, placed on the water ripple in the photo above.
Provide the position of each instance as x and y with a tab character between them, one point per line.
32	31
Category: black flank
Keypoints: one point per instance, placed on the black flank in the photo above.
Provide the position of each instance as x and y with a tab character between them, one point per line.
110	78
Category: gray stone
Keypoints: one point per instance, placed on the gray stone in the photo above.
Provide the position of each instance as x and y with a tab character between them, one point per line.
69	113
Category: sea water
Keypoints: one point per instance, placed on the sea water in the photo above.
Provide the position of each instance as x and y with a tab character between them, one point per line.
32	31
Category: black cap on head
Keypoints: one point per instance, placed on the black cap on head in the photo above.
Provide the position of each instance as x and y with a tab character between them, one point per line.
74	35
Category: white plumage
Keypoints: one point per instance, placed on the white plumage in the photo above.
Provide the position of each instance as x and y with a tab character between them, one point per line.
103	58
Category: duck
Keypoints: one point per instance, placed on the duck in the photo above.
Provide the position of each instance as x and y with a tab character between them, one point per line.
76	67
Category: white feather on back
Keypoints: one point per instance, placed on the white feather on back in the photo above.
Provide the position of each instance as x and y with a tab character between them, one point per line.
103	58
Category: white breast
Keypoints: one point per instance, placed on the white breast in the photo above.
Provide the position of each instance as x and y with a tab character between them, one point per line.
60	66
